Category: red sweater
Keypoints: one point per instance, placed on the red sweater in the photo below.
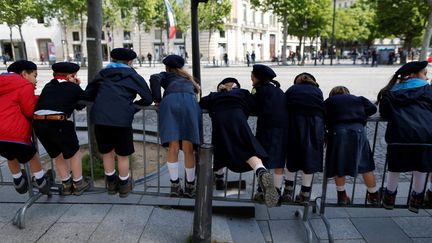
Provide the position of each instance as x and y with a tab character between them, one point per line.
17	102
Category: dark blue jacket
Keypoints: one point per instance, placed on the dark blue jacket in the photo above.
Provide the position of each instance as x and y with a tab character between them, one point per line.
271	106
409	115
171	83
305	99
113	91
347	108
235	99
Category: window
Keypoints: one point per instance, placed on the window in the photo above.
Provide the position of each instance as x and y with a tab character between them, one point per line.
262	18
244	13
128	45
179	34
103	35
75	36
158	34
126	35
222	34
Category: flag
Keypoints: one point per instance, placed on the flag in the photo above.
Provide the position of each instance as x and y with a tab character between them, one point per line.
171	22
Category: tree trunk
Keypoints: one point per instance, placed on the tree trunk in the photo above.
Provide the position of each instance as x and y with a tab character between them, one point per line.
139	41
22	46
285	37
66	43
94	54
82	38
427	36
13	57
208	50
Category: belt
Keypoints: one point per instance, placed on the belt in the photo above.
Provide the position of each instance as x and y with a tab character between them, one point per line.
50	117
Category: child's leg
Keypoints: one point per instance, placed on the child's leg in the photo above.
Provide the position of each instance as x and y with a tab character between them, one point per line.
35	164
62	167
340	183
265	180
76	166
172	160
123	167
187	148
370	182
108	163
392	181
289	178
256	164
278	177
14	166
419	180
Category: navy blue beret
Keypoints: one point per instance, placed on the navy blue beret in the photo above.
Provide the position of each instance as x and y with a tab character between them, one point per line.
263	71
411	67
123	54
21	65
229	80
174	61
65	67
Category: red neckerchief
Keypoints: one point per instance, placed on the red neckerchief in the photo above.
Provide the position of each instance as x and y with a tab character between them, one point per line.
58	77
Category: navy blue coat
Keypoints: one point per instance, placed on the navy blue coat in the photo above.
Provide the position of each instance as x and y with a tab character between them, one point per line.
113	91
233	140
171	83
409	116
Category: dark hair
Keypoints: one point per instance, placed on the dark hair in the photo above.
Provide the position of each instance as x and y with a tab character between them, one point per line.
305	78
339	90
388	87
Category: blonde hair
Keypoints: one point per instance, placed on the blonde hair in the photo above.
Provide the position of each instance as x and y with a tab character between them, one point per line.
339	90
186	75
227	87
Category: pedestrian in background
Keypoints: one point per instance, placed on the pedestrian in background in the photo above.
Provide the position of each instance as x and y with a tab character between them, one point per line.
406	103
179	120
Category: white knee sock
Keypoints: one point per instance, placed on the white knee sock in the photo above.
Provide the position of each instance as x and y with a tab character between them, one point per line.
39	174
278	180
418	181
190	174
258	166
307	180
340	188
289	176
173	170
392	181
124	178
17	175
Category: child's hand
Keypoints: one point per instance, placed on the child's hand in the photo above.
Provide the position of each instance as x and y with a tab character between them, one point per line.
77	80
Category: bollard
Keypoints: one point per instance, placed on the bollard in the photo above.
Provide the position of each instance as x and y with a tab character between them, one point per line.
204	195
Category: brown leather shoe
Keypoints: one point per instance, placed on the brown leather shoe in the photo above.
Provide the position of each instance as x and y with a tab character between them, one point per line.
125	189
112	186
81	186
342	198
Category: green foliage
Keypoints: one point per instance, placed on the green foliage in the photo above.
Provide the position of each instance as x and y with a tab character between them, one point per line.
98	168
212	14
144	12
16	12
68	12
182	15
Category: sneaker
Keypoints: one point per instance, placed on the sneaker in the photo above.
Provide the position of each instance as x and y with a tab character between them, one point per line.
259	196
287	195
302	197
428	198
112	186
125	189
415	202
176	190
342	198
389	199
373	198
271	196
65	188
46	184
190	190
22	187
80	186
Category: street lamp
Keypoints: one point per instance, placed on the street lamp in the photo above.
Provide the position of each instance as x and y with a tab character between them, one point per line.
305	25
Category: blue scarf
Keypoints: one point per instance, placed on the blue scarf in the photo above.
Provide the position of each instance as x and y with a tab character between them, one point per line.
410	84
117	65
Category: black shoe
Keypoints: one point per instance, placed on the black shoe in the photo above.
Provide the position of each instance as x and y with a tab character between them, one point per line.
220	184
287	195
415	202
22	187
190	190
48	181
65	188
266	182
302	197
80	186
389	199
112	186
125	189
176	190
259	196
342	198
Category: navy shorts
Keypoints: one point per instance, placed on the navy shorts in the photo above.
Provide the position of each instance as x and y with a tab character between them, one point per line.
118	138
57	137
22	152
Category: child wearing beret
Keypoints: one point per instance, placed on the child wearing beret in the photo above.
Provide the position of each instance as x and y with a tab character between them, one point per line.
348	151
235	146
56	130
305	135
113	91
272	123
406	103
179	120
17	102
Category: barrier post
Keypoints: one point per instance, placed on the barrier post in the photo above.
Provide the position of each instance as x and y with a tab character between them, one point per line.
204	196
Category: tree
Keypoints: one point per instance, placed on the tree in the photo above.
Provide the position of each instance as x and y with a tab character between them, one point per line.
213	15
183	18
143	15
427	35
402	18
160	21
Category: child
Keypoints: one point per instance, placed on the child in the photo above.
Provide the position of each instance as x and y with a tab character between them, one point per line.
305	134
272	123
234	143
54	128
348	150
17	102
113	90
406	103
179	119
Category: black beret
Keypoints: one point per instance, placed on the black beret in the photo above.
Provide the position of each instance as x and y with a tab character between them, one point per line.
123	54
263	71
21	65
174	61
411	67
229	80
65	67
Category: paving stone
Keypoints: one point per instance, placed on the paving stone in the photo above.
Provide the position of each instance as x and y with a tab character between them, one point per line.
415	226
2	224
8	210
342	229
245	230
69	232
333	213
345	241
261	212
9	195
88	213
95	198
284	212
265	230
220	229
155	200
168	225
287	231
422	240
39	219
380	230
123	223
381	212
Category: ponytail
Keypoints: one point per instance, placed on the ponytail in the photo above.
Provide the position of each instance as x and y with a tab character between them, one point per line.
186	75
388	87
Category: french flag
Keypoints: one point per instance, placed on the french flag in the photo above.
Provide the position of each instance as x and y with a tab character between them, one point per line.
171	22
